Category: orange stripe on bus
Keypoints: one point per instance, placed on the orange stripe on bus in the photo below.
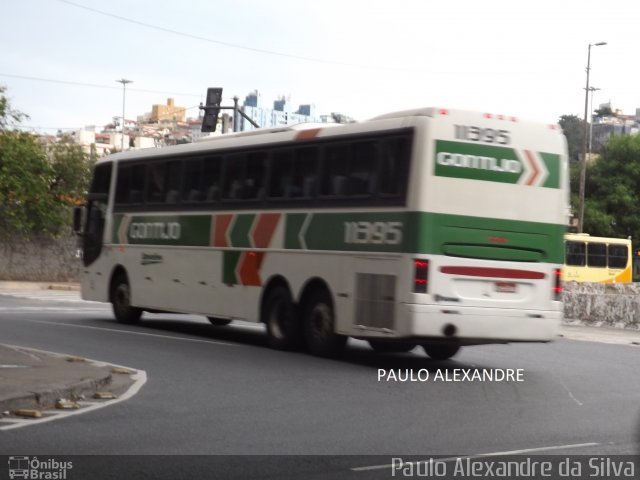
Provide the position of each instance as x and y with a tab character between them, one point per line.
222	225
307	134
266	226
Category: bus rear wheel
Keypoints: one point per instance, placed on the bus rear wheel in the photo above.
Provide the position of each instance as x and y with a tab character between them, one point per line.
440	352
219	322
382	346
319	326
283	327
121	301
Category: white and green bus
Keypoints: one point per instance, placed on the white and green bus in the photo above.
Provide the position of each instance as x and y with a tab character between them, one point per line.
432	227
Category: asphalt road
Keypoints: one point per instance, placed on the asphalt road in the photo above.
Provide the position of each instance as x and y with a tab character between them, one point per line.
220	390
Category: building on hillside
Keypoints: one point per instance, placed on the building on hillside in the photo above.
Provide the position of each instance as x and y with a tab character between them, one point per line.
282	113
167	113
612	122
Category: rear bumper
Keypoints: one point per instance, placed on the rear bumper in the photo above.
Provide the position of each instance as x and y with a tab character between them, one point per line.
478	325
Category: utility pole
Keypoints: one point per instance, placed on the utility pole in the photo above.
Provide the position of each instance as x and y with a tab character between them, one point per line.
583	160
124	82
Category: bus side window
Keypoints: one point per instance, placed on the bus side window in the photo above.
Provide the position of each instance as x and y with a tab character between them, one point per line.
212	178
234	176
173	182
136	193
253	188
305	173
575	254
281	171
617	256
394	166
364	163
596	254
123	185
156	187
192	185
335	170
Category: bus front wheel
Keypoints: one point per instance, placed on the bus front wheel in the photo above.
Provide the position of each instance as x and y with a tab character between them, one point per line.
283	327
440	352
121	301
319	326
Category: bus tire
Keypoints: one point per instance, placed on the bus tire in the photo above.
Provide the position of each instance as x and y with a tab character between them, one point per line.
319	326
121	301
279	315
219	322
382	346
440	352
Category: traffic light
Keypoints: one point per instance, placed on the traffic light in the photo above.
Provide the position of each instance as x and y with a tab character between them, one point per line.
211	110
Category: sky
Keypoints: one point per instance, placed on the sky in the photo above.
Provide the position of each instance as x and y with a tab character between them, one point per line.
60	59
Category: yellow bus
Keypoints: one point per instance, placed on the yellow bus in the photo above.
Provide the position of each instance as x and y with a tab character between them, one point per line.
596	259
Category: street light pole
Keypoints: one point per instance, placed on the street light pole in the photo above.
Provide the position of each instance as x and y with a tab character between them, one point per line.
124	82
592	90
583	160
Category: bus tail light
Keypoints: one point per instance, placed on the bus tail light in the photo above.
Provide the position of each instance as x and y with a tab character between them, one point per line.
557	284
420	276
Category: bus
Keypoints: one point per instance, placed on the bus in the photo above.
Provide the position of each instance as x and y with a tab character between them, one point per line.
433	227
597	259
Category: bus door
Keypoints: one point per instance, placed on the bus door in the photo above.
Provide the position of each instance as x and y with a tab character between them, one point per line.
96	213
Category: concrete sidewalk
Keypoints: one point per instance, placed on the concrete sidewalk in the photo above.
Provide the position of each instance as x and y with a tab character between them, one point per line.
36	286
33	379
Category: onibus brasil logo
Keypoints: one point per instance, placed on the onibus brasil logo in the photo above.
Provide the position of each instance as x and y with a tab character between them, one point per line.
36	469
497	164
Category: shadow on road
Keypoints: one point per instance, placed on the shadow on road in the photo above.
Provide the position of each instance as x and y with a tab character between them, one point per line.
356	352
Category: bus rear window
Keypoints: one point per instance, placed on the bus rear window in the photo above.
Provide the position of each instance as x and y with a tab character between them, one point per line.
596	255
618	256
575	254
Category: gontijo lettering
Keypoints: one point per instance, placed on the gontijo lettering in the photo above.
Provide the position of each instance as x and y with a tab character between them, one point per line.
480	162
155	230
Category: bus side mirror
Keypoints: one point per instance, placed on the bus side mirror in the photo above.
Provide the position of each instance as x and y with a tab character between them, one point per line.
78	215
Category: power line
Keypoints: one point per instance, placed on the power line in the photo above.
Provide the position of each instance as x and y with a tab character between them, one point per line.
94	85
220	42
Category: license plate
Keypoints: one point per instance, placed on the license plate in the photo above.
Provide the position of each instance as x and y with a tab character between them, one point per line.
506	287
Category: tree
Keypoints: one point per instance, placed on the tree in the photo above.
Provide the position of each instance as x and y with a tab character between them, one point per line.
36	191
612	190
8	116
573	129
26	205
71	172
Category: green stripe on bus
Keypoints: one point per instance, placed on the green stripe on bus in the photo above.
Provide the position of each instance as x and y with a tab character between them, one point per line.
240	231
552	162
293	226
186	230
427	233
383	232
229	264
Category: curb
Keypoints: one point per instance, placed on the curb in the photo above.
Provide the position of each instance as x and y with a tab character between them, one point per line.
19	285
48	398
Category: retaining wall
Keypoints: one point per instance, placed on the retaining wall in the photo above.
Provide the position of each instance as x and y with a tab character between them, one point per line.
39	260
598	304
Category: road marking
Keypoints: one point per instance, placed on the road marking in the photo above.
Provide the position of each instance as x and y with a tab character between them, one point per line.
480	455
54	309
139	378
115	330
571	395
